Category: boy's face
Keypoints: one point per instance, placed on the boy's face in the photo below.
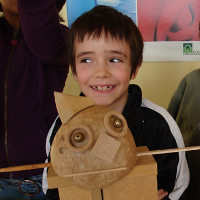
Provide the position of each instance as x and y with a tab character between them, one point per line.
103	70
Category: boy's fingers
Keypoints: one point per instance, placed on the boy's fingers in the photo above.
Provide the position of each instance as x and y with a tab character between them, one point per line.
161	194
160	191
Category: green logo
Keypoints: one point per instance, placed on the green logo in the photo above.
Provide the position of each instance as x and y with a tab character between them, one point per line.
187	48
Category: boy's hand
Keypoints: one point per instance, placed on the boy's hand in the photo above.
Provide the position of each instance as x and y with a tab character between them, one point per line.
161	194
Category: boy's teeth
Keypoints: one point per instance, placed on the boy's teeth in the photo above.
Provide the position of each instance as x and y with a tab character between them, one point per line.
104	88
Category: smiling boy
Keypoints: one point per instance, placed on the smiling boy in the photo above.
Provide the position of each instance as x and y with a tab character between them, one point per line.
105	53
103	70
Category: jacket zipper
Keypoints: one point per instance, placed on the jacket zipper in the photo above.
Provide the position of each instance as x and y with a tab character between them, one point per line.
13	42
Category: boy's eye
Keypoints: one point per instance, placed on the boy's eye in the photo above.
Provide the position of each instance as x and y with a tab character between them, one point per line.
115	60
86	60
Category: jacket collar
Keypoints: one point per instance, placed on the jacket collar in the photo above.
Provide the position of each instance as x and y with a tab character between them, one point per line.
132	111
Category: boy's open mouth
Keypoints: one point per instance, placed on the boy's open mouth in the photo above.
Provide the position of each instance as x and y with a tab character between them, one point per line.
102	88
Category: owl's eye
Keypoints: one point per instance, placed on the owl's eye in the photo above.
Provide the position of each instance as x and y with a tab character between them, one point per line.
79	138
115	124
118	123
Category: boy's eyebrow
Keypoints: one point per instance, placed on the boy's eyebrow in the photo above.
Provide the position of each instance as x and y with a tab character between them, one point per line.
117	52
107	51
84	53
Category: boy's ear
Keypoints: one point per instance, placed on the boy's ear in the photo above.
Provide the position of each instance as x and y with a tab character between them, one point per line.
75	77
68	105
133	76
74	74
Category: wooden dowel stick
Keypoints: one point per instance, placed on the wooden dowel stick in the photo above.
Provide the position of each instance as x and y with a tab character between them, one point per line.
144	153
96	172
25	167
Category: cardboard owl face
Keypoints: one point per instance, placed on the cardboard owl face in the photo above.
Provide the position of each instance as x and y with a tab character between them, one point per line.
94	145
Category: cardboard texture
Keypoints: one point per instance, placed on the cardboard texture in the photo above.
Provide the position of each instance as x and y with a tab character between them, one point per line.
106	147
96	154
139	184
72	104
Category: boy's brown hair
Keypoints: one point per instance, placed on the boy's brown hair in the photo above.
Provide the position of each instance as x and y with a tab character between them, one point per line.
110	21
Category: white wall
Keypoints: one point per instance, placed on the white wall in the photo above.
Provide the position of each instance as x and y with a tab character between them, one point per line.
159	80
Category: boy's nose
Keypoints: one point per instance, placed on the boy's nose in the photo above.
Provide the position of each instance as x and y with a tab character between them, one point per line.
102	71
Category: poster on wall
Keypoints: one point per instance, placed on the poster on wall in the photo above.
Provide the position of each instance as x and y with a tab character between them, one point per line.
170	28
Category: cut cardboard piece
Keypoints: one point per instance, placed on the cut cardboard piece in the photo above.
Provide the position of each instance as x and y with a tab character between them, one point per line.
139	184
73	104
112	158
71	193
106	147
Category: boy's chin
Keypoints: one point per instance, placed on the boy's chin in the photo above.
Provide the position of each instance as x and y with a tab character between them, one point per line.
100	102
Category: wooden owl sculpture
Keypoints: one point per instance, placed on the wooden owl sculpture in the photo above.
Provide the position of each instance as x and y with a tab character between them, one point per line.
94	145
